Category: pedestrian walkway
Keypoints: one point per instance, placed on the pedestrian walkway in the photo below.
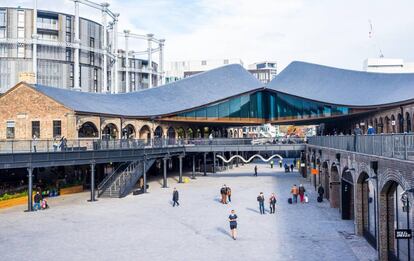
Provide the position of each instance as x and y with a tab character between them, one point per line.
147	227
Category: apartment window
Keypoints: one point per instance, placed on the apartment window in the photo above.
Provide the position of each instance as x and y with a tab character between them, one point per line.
68	24
20	32
71	73
2	32
92	58
20	51
3	50
132	63
95	80
133	81
36	129
68	54
57	129
204	62
10	129
3	17
80	75
20	18
68	37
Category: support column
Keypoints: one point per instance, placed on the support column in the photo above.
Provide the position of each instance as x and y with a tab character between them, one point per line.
205	163
126	61
161	63
76	68
92	182
115	78
145	174
214	162
34	39
193	173
164	182
237	160
30	190
149	37
180	179
104	47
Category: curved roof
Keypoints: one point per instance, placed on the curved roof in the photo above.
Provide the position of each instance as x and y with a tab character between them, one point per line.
191	92
344	87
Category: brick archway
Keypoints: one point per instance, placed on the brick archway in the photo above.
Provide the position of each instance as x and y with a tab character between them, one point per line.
347	194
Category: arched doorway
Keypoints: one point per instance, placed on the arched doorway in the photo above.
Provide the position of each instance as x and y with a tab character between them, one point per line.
128	132
145	133
190	133
88	130
367	195
231	133
334	186
398	216
393	122
347	195
408	122
325	179
180	133
110	132
198	133
400	123
171	135
381	125
387	125
158	132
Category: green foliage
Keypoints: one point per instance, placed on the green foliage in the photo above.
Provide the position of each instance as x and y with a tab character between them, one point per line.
6	196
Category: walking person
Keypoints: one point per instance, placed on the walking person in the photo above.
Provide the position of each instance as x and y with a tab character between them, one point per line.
210	138
321	191
271	164
255	170
233	224
175	198
37	200
357	132
294	191
291	167
272	202
302	193
261	200
229	193
280	163
223	192
34	143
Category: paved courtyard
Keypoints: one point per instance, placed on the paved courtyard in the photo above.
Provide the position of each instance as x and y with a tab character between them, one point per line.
147	227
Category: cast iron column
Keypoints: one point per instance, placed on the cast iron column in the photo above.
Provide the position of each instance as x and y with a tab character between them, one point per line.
164	182
193	174
214	162
145	174
180	179
205	164
92	182
30	190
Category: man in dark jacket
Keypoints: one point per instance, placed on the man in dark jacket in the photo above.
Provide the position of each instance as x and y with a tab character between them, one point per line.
255	170
37	199
261	200
175	197
321	191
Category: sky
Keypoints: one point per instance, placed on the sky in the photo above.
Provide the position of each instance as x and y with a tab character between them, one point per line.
330	32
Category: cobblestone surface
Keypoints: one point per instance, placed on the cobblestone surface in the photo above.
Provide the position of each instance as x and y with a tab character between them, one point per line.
147	227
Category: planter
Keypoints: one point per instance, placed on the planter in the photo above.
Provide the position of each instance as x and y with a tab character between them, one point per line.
71	190
13	202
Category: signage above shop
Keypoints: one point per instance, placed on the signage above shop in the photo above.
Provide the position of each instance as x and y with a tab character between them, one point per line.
403	234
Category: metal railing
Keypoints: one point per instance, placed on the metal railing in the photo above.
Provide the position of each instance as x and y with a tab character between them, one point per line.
400	146
25	146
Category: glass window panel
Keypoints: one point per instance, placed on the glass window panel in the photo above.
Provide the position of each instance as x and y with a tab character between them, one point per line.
224	109
200	114
57	129
3	17
245	106
212	112
235	107
20	33
371	208
36	129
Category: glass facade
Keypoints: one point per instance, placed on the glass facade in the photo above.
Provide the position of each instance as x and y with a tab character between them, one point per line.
264	106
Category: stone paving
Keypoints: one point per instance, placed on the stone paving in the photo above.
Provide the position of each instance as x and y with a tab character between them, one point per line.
147	227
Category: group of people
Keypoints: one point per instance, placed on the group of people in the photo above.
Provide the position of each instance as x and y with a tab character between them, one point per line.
298	191
272	203
39	202
225	193
62	144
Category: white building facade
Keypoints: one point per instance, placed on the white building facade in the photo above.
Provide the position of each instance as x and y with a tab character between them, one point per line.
67	51
386	65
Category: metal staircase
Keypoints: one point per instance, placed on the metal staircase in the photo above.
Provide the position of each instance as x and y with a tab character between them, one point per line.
123	179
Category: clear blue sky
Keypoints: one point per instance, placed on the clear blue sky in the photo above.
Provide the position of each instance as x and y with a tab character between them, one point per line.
330	32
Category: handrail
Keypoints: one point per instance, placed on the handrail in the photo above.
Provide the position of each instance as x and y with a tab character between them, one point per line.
400	146
109	177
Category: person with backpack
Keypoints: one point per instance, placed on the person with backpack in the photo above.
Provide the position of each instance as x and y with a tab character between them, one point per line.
175	198
233	224
302	193
223	192
321	191
272	202
294	191
37	200
261	200
229	193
